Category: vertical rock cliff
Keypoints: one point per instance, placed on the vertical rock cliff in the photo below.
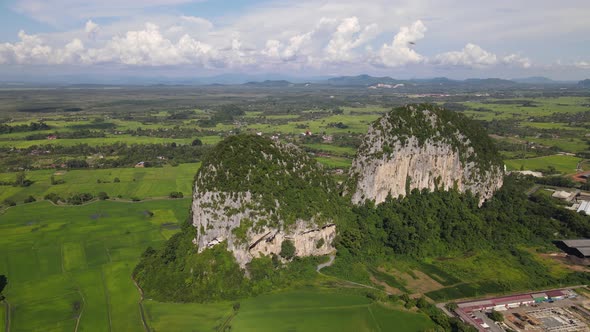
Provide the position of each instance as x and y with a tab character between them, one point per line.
424	147
254	194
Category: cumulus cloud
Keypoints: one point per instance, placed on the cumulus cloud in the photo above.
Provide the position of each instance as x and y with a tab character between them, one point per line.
148	47
517	60
30	49
329	43
348	36
470	56
400	52
473	56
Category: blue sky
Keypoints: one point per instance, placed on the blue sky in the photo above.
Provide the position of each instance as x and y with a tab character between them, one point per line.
399	38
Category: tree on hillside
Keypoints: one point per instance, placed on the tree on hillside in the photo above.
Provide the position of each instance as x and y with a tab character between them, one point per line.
287	249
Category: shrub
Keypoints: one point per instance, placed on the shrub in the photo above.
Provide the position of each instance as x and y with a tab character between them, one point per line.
116	180
287	249
30	199
103	196
52	197
9	202
176	194
320	243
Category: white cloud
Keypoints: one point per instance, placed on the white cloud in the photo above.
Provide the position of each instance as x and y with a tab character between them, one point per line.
91	29
470	56
29	50
348	36
192	41
272	49
401	52
198	21
582	64
517	60
473	56
148	47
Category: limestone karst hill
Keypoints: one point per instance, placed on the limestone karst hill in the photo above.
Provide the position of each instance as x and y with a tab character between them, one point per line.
255	193
424	147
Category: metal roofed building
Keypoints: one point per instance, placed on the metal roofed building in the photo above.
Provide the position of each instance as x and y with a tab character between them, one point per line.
579	247
584	206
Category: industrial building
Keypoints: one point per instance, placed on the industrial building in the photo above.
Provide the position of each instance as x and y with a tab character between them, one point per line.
465	309
584	206
580	247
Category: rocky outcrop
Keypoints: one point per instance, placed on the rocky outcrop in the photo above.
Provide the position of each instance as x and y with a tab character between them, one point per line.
424	147
252	202
247	231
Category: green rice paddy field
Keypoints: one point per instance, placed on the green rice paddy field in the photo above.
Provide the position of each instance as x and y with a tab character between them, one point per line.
295	310
134	182
69	268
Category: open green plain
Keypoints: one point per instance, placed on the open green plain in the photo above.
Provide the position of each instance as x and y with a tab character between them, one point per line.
72	265
310	309
134	182
318	310
563	164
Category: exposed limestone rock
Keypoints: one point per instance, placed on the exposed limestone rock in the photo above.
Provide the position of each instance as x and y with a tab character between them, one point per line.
424	147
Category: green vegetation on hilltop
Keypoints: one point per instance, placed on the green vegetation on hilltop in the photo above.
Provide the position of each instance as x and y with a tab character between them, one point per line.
281	178
426	122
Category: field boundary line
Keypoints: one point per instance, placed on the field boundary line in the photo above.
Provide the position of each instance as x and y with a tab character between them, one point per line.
225	324
374	319
106	295
7	318
81	311
140	303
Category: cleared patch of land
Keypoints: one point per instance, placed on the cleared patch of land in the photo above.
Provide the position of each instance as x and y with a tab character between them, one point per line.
562	163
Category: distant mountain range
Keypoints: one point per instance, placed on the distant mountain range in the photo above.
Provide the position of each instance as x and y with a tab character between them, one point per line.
279	80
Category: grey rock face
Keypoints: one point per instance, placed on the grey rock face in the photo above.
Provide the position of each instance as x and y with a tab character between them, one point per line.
246	229
410	164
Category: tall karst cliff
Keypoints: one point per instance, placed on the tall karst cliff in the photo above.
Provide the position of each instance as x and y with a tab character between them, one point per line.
255	193
424	146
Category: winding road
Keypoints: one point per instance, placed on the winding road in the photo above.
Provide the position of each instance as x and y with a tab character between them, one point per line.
326	264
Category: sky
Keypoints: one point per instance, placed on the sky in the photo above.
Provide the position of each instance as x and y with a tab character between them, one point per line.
299	38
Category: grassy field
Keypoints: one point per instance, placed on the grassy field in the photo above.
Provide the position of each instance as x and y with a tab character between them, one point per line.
335	162
66	264
135	182
563	164
499	109
316	310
